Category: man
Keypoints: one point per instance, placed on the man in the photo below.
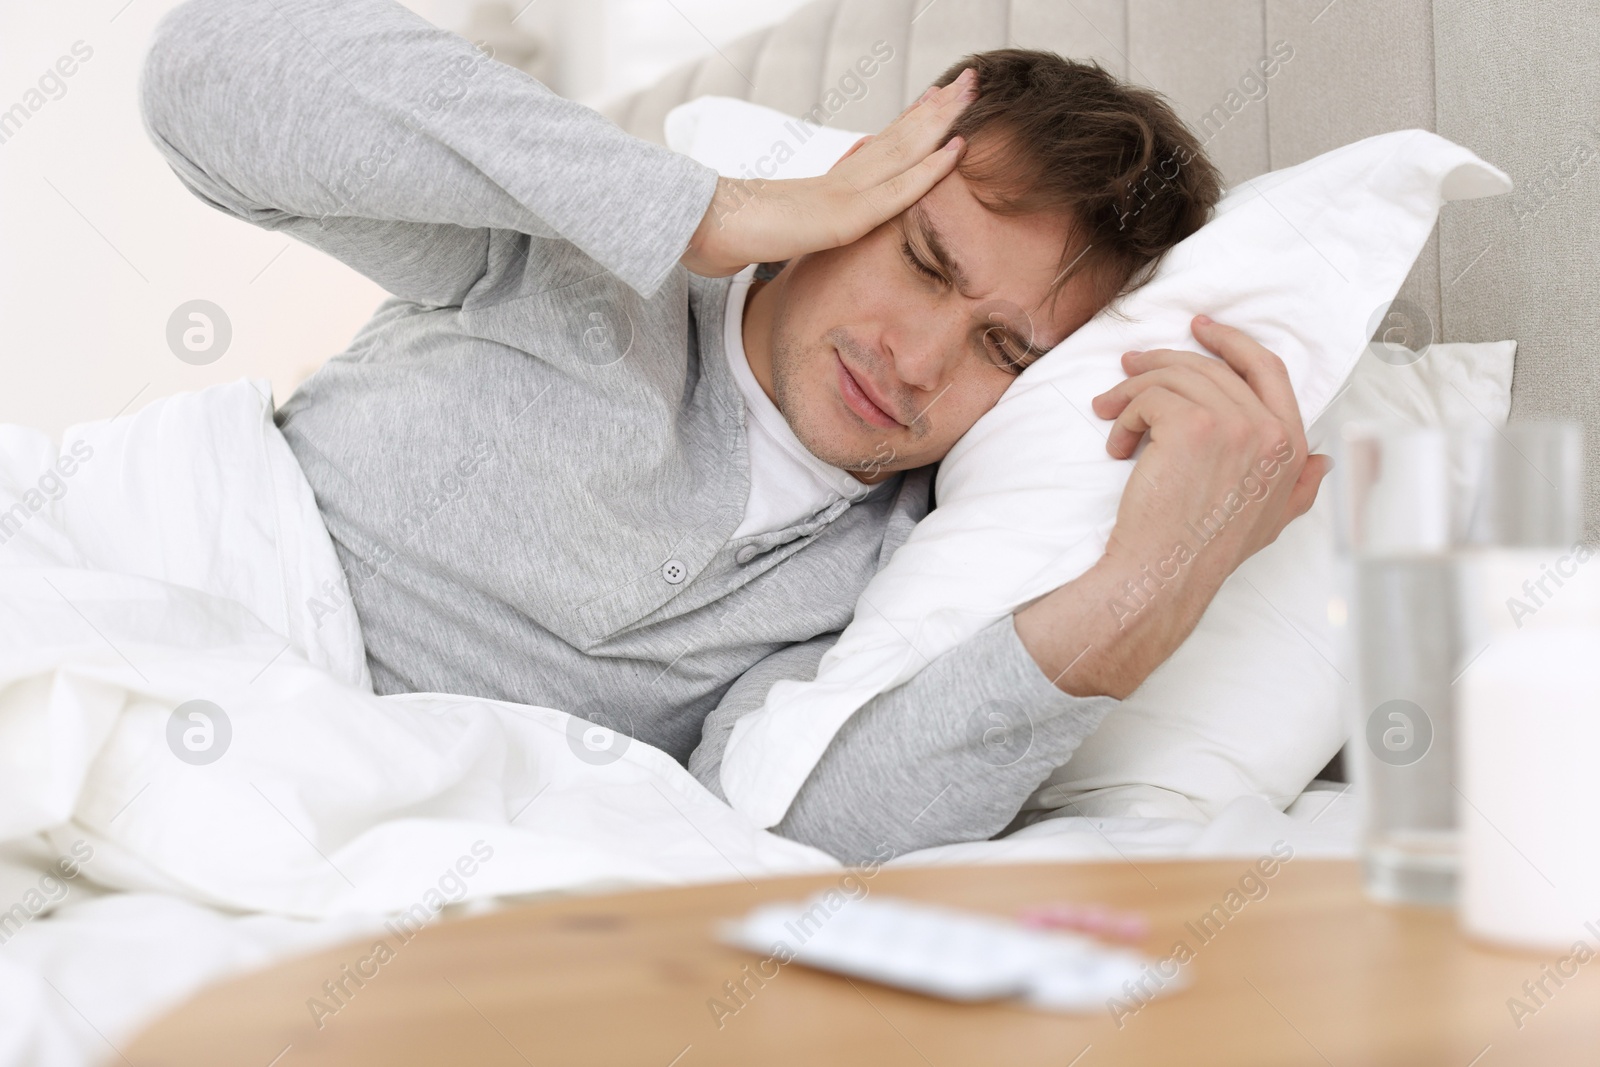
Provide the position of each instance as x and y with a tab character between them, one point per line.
571	464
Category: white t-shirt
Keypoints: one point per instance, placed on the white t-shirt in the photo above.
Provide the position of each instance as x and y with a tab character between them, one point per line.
787	483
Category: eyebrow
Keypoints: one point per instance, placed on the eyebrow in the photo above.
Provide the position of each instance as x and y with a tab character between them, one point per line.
918	216
936	246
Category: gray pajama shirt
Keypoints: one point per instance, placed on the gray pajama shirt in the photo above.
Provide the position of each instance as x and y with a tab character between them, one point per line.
533	459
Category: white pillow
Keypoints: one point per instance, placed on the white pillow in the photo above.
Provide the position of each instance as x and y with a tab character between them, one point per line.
739	139
1306	258
1254	700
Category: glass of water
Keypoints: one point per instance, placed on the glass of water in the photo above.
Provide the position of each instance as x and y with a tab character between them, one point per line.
1416	503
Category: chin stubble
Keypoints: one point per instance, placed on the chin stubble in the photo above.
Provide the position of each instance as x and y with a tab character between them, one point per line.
788	386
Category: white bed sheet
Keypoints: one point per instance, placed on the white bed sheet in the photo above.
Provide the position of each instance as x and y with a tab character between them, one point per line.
181	560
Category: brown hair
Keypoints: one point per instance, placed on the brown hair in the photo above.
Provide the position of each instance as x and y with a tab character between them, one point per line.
1049	134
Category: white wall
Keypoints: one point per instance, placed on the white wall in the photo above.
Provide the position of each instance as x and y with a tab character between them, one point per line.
606	47
99	243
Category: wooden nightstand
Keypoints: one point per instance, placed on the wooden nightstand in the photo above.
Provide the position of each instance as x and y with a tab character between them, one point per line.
1308	973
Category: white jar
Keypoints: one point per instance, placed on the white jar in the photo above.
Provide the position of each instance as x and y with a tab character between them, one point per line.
1528	780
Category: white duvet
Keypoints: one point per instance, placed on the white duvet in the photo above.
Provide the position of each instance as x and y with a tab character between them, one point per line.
184	560
175	555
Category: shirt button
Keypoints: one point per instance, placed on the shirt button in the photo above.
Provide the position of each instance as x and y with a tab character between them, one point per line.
745	554
674	571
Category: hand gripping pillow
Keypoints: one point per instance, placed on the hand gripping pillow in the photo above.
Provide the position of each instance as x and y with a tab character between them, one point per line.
1306	259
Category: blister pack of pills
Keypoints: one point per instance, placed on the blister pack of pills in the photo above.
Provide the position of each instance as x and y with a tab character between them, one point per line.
944	952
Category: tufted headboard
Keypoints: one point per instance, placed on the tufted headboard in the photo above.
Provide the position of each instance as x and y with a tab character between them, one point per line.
1517	81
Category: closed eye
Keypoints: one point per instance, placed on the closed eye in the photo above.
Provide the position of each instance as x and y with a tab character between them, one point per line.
1003	349
917	263
1010	351
1009	355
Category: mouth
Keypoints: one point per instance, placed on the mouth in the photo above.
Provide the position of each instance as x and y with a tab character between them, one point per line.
859	400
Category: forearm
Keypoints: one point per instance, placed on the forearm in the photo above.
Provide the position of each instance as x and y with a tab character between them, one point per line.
1104	632
949	756
278	110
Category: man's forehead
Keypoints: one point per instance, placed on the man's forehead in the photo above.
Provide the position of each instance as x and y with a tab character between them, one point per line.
1013	259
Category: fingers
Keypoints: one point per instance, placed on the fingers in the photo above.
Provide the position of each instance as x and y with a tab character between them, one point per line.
1305	489
1225	377
1140	416
940	104
881	177
917	132
927	94
1260	370
1185	381
889	199
878	178
864	139
1263	371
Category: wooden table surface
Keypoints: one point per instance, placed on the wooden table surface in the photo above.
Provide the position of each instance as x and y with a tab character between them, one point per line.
1309	973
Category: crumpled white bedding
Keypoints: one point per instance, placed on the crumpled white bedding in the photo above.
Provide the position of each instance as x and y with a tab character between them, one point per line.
176	556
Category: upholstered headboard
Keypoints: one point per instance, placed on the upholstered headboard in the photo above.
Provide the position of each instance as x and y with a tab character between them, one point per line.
1517	81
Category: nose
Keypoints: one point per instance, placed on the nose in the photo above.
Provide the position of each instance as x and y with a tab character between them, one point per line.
923	342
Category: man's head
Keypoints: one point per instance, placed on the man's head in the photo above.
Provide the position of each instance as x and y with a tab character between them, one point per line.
1072	185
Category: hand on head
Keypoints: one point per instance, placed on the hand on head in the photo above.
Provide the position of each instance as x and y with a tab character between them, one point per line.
767	221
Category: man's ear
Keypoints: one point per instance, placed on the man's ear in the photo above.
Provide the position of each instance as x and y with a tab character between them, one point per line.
851	150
